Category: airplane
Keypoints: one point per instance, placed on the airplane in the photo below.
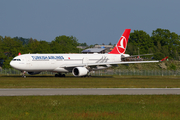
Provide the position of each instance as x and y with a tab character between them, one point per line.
77	64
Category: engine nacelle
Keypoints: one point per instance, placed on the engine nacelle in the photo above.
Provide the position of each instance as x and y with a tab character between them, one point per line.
33	73
80	71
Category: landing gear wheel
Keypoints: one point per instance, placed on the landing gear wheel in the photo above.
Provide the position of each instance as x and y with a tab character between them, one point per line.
60	75
23	74
56	75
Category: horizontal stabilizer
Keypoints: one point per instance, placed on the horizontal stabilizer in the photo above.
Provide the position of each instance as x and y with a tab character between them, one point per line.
164	59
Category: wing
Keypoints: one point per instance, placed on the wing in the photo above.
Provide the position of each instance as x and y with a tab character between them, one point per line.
107	63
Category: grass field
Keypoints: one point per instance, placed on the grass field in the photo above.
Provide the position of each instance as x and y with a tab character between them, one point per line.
91	82
147	107
104	107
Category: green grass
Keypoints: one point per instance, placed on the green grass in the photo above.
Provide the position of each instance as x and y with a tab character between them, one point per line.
147	107
105	107
92	82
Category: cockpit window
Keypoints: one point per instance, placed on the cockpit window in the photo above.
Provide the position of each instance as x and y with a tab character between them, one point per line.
16	60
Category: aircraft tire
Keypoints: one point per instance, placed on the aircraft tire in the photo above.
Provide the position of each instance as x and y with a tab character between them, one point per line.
63	75
23	76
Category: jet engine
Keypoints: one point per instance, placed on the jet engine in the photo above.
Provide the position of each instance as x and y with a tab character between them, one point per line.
80	71
33	73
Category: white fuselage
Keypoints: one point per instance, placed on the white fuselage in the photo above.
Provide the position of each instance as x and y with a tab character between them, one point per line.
60	62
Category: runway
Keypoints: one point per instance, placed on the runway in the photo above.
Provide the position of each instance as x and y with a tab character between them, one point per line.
88	91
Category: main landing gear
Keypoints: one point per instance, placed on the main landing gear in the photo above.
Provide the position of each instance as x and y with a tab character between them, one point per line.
60	75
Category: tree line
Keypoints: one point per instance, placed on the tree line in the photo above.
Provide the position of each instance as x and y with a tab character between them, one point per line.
10	47
161	43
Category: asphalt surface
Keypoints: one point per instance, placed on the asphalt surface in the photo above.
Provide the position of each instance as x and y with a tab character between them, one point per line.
88	91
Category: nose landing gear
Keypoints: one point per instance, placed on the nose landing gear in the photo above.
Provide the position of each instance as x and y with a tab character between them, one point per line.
23	74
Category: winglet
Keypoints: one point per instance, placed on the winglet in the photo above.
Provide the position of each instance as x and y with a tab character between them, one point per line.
120	47
164	59
19	54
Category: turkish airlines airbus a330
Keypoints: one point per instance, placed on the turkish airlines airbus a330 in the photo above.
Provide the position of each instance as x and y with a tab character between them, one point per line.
78	64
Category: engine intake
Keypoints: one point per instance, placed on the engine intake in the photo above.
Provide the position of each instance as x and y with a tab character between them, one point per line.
80	71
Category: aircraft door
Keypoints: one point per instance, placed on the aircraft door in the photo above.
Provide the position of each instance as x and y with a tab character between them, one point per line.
28	62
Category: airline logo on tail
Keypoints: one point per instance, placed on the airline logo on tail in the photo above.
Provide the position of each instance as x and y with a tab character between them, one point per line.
120	47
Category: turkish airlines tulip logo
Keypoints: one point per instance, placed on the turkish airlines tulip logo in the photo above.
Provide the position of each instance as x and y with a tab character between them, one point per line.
121	46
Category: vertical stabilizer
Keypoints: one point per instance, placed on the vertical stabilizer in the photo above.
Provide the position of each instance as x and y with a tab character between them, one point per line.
120	47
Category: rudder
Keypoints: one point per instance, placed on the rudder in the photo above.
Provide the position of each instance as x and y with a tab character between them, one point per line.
120	47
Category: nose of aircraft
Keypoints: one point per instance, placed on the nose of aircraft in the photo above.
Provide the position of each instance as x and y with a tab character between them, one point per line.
14	64
11	64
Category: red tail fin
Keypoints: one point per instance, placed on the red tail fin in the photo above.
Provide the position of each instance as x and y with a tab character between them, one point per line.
19	54
120	47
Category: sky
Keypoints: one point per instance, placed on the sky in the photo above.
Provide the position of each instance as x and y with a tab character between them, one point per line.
90	21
